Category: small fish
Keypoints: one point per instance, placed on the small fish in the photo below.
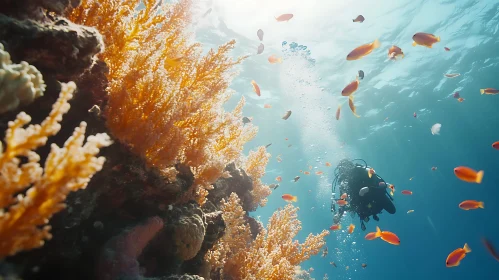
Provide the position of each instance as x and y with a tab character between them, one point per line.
329	164
306	173
296	178
460	99
278	178
361	74
286	116
289	145
335	227
342	202
386	119
351	87
284	17
491	249
260	49
278	158
394	52
456	94
344	196
468	175
364	265
406	192
495	145
338	111
370	172
289	198
173	62
267	106
415	115
319	173
434	168
387	236
268	145
352	106
490	91
274	186
359	18
273	59
435	129
259	33
452	75
371	236
207	12
410	179
424	39
347	267
333	264
446	48
363	50
256	88
351	228
471	204
410	211
246	120
457	255
310	167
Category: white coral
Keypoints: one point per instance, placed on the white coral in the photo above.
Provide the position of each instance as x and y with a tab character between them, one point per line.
19	83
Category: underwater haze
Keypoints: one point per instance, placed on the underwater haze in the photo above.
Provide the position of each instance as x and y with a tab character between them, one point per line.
398	102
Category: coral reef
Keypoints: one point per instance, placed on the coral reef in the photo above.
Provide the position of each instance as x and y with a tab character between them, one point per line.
19	83
172	95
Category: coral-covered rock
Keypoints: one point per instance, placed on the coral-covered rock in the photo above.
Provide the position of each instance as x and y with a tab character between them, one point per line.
35	9
255	226
61	49
182	277
239	182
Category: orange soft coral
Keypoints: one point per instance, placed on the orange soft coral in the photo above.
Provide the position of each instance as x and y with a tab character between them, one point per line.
255	165
23	219
165	98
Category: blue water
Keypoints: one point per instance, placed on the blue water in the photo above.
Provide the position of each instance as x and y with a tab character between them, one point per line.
309	82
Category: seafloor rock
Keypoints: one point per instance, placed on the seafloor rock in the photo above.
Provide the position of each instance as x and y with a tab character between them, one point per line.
60	49
182	277
36	9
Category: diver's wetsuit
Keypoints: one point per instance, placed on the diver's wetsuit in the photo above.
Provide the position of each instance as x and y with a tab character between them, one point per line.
373	202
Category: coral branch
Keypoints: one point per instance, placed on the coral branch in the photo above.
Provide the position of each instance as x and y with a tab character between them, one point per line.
23	223
255	165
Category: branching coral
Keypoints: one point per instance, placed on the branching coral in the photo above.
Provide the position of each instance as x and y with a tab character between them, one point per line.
237	234
23	220
165	98
255	165
272	255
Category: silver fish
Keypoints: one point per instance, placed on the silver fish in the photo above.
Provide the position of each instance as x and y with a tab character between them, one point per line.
259	33
286	116
246	120
452	75
260	48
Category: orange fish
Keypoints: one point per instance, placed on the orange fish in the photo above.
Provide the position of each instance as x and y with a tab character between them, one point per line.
306	173
471	204
329	164
284	17
335	227
394	52
344	196
406	192
256	88
468	175
351	87
490	248
489	91
387	236
425	39
310	167
351	228
359	18
267	106
363	50
278	178
370	172
457	255
446	48
338	113
342	202
289	198
460	99
371	236
352	106
495	145
273	59
319	173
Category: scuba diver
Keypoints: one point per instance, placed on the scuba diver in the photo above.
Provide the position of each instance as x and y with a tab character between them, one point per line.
366	192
